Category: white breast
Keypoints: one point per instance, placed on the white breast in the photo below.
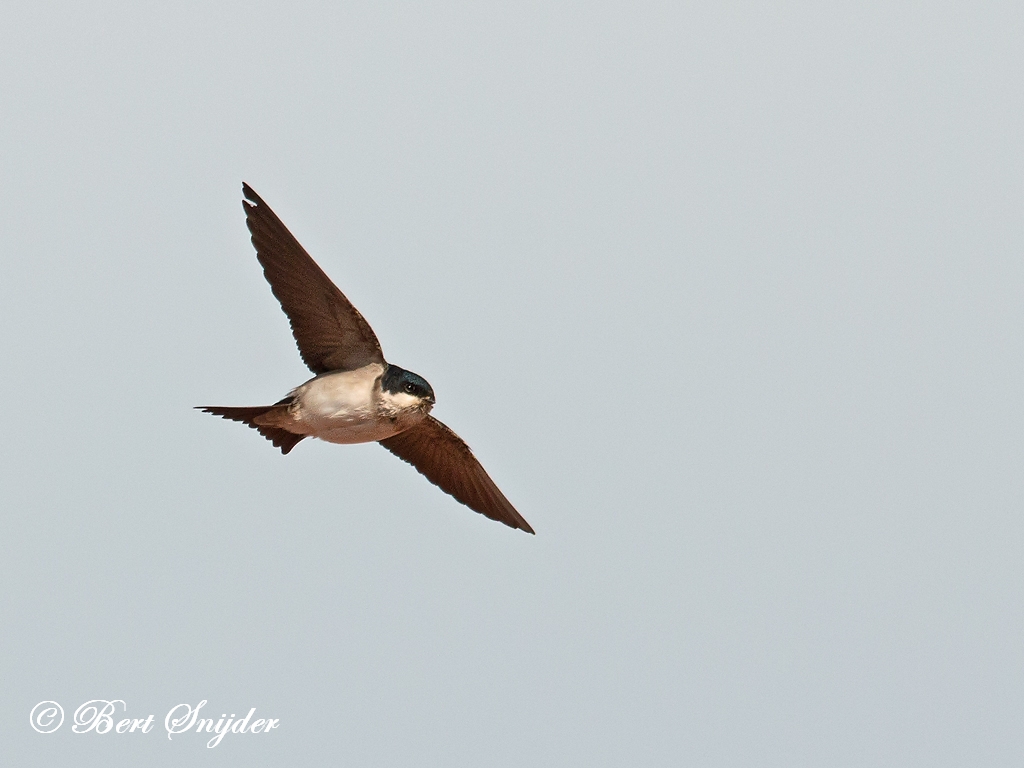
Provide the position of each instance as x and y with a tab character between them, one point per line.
342	407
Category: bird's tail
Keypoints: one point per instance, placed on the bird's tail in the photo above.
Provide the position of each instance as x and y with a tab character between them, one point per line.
281	438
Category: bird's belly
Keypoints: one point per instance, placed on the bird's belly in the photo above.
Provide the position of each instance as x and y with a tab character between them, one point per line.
340	408
356	432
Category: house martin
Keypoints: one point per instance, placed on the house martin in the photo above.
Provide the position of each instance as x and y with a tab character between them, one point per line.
356	396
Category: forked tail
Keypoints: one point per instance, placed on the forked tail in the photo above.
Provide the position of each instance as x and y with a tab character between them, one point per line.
281	438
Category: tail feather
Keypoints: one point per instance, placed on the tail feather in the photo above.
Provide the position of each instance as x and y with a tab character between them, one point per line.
281	438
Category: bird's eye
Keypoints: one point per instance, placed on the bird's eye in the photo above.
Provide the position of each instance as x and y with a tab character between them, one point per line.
409	387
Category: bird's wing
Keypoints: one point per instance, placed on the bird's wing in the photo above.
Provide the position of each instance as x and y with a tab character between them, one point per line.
444	459
330	332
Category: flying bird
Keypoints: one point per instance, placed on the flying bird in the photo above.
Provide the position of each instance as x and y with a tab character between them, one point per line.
355	396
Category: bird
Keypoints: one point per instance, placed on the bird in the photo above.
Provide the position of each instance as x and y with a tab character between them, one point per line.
355	395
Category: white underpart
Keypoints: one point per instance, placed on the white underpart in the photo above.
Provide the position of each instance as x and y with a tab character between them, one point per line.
349	407
398	402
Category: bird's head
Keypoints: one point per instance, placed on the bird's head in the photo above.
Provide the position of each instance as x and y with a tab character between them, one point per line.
405	391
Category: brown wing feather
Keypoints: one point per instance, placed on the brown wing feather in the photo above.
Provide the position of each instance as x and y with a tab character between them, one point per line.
330	332
444	459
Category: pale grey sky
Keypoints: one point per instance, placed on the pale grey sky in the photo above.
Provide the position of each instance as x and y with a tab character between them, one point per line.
727	298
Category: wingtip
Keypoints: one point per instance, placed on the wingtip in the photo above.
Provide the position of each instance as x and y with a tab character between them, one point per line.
519	522
251	198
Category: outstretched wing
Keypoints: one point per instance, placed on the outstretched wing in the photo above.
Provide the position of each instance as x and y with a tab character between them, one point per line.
444	459
330	332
